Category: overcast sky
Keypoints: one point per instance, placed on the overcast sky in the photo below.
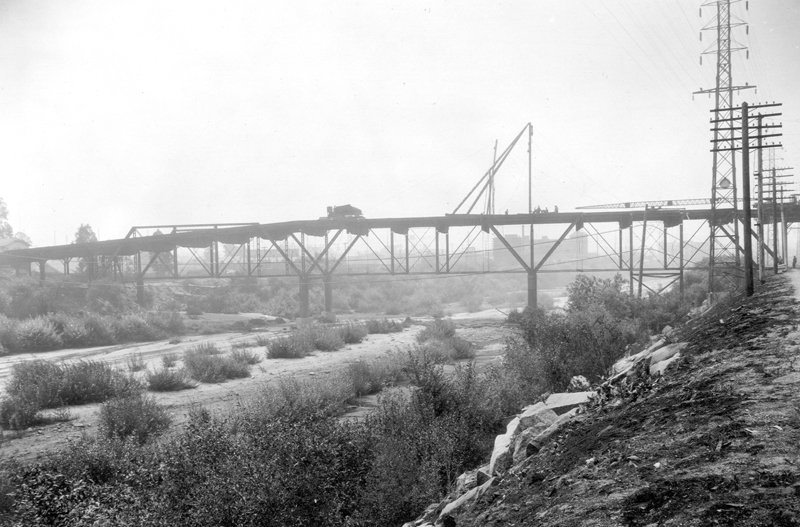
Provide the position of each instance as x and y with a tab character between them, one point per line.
122	113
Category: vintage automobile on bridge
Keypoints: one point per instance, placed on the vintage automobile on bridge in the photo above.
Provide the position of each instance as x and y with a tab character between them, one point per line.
344	211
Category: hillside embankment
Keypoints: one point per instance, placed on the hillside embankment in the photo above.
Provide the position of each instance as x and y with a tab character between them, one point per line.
713	441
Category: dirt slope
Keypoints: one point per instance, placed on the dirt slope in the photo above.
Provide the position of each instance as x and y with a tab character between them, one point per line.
716	442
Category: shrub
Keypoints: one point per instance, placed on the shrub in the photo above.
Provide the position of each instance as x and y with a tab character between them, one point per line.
461	348
137	416
17	413
99	331
135	362
169	322
133	328
438	329
8	333
326	339
291	347
245	356
213	368
165	380
353	333
39	384
37	334
383	326
372	376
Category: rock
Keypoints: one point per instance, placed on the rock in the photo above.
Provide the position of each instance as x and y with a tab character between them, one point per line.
661	367
536	413
579	383
482	475
467	481
544	420
668	332
564	402
667	352
539	441
502	453
452	508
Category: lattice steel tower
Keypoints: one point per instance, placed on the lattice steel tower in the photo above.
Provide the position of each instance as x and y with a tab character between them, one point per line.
724	246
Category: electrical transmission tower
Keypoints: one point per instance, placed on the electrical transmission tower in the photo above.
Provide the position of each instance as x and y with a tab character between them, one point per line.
724	246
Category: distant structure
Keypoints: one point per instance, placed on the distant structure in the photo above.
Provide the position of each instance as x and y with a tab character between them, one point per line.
13	244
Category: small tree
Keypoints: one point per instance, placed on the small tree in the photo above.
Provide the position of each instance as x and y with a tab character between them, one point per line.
85	234
6	231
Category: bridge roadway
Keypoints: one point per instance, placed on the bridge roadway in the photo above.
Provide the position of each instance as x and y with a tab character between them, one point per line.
193	237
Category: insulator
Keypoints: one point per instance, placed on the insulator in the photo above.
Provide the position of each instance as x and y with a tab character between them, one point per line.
701	12
701	60
747	5
747	29
747	54
701	36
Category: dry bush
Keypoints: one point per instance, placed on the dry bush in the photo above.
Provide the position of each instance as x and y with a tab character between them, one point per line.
205	367
137	416
166	380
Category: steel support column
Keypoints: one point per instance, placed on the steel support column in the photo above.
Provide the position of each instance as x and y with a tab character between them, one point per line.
328	287
304	296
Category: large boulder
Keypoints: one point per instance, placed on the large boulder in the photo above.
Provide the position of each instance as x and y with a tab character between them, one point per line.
536	413
502	452
667	352
535	444
464	500
661	367
467	481
561	403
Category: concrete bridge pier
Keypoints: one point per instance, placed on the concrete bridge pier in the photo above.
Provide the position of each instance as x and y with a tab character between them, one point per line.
532	291
326	282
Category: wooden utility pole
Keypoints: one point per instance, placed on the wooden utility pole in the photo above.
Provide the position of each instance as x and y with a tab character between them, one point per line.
748	234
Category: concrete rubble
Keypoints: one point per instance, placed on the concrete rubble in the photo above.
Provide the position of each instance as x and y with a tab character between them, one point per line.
536	424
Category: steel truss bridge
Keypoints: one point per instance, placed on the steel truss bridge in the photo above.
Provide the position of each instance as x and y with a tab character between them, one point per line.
645	245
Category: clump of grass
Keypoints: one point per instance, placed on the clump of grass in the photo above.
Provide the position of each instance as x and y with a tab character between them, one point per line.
353	333
206	367
168	360
135	362
245	356
290	347
166	380
383	325
438	329
137	416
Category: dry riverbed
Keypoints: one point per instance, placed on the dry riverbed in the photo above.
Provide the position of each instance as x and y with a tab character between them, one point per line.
485	329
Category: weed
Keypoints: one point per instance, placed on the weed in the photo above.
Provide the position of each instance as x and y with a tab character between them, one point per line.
165	380
137	416
244	344
262	339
